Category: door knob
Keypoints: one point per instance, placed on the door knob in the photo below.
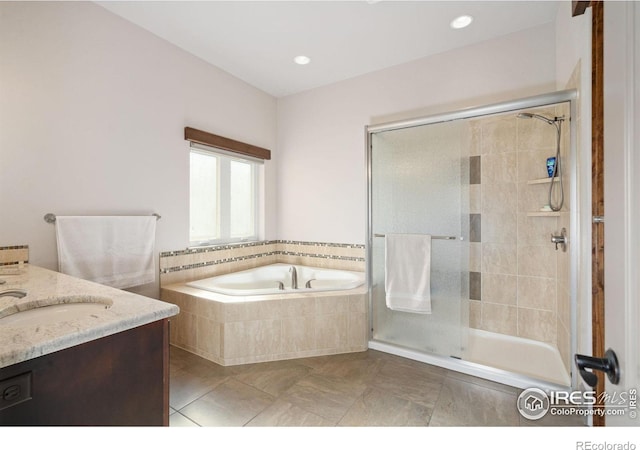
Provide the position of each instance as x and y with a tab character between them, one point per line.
608	365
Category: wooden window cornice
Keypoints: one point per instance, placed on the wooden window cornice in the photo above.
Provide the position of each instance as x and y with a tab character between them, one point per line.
230	145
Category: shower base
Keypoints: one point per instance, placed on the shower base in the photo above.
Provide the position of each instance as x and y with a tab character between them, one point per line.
517	362
525	356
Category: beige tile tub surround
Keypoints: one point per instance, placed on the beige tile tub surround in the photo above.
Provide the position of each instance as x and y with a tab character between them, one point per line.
264	328
267	327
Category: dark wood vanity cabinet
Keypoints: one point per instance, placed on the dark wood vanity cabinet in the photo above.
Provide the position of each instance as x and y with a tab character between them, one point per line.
121	380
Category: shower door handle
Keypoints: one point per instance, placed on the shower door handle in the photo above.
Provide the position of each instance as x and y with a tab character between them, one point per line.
608	365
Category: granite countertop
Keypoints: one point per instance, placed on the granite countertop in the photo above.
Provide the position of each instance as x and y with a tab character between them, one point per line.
21	342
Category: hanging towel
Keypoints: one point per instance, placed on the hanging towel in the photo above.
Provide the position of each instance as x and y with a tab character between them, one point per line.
407	274
113	250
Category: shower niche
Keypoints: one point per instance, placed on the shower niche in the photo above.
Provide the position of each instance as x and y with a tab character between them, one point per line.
502	296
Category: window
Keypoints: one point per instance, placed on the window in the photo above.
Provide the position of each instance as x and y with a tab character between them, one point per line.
223	204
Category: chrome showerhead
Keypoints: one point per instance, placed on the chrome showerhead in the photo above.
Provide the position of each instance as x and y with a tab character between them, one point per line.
525	115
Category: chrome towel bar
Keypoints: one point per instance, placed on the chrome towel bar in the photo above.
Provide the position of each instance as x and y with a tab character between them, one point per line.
447	238
51	218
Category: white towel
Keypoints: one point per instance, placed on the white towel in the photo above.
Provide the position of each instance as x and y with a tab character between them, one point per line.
407	274
114	250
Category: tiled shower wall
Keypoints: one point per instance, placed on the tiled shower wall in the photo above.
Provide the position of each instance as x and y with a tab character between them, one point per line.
196	263
514	267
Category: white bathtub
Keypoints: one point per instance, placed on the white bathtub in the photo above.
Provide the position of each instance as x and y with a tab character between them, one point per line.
270	279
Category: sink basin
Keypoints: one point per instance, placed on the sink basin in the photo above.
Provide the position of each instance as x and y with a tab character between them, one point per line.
70	309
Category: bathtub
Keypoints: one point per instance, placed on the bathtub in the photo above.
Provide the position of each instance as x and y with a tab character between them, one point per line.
243	317
277	279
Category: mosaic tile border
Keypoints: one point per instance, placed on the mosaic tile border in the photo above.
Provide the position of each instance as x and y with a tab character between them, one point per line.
192	251
216	262
320	244
216	248
14	248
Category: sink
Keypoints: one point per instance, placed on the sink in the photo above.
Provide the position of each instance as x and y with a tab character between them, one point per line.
17	293
56	310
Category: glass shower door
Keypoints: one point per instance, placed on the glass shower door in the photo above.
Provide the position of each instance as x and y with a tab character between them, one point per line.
417	180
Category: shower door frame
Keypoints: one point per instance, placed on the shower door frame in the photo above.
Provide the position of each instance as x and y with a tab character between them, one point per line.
470	368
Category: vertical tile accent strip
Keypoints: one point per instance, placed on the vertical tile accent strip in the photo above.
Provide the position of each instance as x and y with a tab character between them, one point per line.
475	170
475	286
475	228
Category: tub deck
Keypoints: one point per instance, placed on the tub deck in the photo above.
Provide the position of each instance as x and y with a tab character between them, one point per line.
233	330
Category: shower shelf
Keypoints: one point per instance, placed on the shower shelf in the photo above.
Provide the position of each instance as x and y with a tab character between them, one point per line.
543	214
542	180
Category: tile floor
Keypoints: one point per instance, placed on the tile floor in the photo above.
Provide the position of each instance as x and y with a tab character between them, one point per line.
358	389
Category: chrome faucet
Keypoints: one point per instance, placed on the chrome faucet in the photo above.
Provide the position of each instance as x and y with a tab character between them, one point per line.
294	277
18	293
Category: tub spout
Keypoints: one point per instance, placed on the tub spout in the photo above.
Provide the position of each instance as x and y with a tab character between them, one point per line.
294	277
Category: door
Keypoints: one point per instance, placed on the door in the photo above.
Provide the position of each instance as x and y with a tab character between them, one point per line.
622	200
416	188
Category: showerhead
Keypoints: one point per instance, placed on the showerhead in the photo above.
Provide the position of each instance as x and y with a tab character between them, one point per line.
525	115
536	116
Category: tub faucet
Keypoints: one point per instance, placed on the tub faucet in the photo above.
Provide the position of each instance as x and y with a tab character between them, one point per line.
294	277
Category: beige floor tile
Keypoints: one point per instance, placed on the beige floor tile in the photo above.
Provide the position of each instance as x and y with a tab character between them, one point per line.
185	387
324	395
360	371
284	414
178	420
484	383
467	404
276	380
416	383
232	403
368	388
376	408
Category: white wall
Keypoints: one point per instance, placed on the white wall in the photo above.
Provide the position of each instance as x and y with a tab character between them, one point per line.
92	111
321	156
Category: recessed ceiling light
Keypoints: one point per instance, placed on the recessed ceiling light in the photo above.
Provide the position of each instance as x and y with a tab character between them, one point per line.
302	60
461	22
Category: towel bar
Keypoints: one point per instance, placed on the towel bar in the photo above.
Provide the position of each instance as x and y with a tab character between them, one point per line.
51	218
448	238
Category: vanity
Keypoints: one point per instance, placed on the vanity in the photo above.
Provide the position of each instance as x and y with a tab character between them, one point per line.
73	352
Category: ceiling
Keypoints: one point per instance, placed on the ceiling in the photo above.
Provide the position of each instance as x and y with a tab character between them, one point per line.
256	41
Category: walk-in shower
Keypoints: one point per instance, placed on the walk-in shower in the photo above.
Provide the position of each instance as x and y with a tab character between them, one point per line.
502	296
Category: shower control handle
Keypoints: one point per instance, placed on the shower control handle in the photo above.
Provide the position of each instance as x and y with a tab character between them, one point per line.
560	240
608	365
